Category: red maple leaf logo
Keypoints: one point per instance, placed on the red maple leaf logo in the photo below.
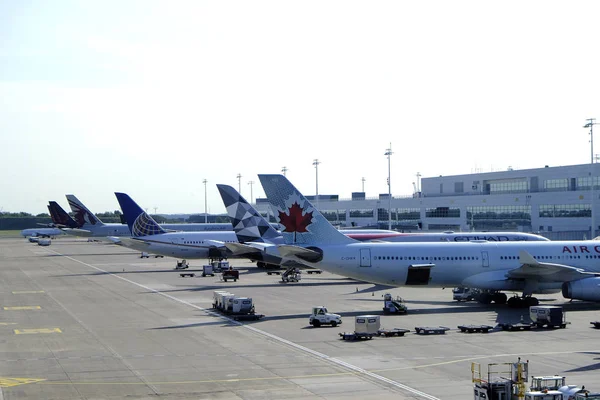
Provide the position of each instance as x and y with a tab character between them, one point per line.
295	222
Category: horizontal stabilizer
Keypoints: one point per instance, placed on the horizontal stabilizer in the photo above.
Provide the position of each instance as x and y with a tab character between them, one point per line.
78	232
288	250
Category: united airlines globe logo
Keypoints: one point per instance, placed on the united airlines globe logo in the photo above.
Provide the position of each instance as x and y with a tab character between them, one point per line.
144	226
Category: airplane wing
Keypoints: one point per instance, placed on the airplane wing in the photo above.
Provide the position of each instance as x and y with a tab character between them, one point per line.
545	272
241	248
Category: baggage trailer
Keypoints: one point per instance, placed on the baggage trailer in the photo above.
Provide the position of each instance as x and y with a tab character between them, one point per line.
431	330
475	328
392	332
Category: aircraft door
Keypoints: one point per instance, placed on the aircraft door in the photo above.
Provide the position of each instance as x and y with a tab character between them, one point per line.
485	260
365	257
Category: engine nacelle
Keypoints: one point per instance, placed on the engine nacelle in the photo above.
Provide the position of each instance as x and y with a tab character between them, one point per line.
584	289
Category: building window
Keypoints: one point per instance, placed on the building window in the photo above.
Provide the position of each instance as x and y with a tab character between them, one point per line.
508	186
442	212
364	213
556	184
565	211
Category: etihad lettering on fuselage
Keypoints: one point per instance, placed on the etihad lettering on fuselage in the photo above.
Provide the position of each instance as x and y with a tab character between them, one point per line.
499	238
581	249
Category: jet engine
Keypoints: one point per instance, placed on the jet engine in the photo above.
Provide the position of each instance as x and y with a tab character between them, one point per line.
584	289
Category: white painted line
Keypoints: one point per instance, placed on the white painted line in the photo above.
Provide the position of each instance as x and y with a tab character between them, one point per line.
322	356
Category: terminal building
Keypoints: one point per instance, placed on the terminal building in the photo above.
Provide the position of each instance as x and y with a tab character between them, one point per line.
557	202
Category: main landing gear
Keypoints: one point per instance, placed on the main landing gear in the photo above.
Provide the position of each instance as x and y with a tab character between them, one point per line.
488	297
522	302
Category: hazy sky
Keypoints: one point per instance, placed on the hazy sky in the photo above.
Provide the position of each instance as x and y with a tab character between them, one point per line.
151	97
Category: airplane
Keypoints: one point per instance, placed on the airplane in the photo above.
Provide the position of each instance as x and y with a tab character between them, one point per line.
530	267
89	225
148	236
394	236
244	217
41	232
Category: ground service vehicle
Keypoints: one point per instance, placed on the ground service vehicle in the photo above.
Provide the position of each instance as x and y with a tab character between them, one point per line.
507	381
465	293
549	316
230	274
393	306
320	316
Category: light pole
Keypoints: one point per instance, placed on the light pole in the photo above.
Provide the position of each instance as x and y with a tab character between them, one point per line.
388	153
316	163
205	205
363	184
239	178
418	182
590	124
251	198
284	170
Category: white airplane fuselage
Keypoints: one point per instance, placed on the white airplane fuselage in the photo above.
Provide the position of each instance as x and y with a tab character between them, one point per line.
475	264
188	245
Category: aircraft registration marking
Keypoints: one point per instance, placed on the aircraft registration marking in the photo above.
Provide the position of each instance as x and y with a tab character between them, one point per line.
8	382
16	308
35	331
28	291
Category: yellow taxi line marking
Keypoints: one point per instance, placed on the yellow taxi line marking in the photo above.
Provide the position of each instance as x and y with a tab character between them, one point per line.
34	331
16	308
28	291
8	382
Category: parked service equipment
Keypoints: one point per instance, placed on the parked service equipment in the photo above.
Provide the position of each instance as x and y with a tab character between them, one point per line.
44	242
393	306
238	308
465	293
291	275
548	316
596	324
320	316
475	328
365	327
183	264
392	332
431	330
230	274
207	270
507	381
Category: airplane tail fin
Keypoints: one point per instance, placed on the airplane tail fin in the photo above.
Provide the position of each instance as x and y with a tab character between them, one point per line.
139	222
81	214
248	224
60	217
303	224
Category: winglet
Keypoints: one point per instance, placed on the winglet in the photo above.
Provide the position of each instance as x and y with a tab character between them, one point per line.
303	223
248	224
138	221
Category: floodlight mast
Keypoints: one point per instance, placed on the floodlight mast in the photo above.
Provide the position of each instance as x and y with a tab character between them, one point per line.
388	153
590	124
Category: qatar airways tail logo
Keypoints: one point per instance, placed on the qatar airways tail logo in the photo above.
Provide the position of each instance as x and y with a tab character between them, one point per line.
82	216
